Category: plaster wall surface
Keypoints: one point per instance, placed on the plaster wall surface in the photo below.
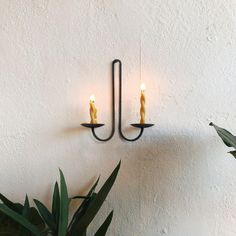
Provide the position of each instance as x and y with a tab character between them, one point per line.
178	179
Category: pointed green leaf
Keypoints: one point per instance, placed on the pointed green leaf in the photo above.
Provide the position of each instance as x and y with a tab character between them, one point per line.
46	215
233	153
25	213
26	208
64	207
78	215
8	227
104	227
226	136
20	219
36	219
56	205
14	206
82	209
96	203
91	191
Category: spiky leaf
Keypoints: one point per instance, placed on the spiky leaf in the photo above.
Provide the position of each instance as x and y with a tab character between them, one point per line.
20	219
14	206
56	205
233	153
8	227
46	215
96	203
104	227
82	208
228	138
64	207
25	213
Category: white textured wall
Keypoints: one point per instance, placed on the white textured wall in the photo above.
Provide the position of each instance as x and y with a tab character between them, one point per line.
177	180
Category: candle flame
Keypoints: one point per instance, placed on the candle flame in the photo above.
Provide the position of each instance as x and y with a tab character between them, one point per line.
142	87
92	98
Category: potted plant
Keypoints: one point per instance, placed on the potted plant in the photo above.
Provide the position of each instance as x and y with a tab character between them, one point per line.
23	220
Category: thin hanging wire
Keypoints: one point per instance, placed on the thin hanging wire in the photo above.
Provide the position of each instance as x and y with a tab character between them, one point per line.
140	59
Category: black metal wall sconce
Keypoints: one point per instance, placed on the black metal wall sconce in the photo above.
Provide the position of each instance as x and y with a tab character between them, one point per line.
93	111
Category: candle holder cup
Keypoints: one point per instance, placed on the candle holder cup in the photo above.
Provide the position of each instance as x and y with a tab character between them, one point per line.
142	126
90	125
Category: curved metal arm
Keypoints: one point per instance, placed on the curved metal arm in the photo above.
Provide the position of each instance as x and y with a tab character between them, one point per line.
113	112
102	139
120	108
131	139
120	104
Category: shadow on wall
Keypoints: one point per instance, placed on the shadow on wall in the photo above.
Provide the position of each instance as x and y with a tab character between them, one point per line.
72	130
162	179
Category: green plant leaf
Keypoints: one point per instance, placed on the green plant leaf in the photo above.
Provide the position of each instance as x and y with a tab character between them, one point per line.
82	208
46	215
36	219
104	227
91	191
26	208
14	206
96	203
64	207
233	153
20	219
78	215
228	138
56	205
25	213
8	227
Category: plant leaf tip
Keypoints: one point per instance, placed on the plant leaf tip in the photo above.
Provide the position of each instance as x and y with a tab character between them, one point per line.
119	164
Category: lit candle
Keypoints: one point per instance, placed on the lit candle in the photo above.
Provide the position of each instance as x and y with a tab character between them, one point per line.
142	103
93	110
